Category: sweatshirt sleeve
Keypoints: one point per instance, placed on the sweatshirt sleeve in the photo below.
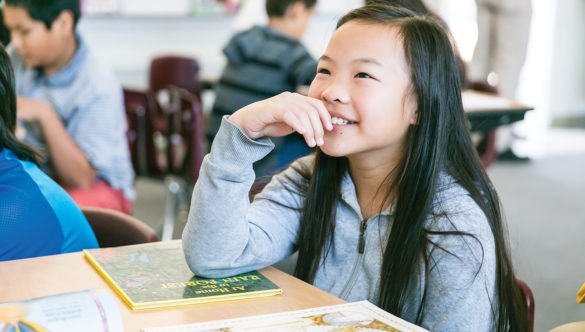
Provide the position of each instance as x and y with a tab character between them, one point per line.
226	234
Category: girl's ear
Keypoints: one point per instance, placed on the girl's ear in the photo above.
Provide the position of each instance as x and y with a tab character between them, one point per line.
414	117
412	108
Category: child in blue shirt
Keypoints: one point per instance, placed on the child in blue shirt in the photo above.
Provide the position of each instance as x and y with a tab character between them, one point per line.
394	206
37	217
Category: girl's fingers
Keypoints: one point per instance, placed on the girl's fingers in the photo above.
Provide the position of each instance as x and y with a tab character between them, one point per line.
300	121
277	115
321	120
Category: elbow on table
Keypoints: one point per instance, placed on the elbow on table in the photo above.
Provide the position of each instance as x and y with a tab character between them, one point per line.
202	263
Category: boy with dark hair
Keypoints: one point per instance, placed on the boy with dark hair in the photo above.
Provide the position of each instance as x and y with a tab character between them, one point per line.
70	105
263	62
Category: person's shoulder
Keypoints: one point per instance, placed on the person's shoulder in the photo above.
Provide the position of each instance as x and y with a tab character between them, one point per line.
90	64
305	163
301	168
454	202
448	189
94	77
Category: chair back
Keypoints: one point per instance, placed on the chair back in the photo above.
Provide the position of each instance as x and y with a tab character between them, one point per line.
528	300
140	110
113	228
486	147
180	142
166	137
174	70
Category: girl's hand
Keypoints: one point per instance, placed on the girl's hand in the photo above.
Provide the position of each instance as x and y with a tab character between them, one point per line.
283	114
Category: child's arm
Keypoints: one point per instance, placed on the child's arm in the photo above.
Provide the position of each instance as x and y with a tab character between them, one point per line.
225	234
72	167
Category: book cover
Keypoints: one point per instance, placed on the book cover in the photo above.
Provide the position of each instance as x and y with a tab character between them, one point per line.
91	310
154	275
355	316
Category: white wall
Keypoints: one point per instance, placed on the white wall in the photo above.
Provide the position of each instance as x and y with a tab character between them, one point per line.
128	44
568	60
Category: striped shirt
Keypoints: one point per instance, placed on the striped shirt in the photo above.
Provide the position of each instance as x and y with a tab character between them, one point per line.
261	63
89	101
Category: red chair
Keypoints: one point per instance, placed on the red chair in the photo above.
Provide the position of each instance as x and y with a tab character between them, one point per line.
174	70
486	147
183	148
113	228
167	142
140	110
529	301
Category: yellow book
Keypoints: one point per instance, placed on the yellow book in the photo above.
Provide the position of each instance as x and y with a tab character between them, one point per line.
581	294
155	275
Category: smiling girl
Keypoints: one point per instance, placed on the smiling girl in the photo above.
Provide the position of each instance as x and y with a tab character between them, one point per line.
393	207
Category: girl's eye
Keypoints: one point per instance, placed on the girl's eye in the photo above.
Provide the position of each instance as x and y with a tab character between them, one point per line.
363	75
323	71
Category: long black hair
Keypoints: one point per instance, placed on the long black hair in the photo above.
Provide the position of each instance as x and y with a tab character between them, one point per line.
8	138
440	142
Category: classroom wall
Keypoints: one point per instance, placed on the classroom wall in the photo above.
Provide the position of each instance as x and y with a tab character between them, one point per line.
128	44
568	77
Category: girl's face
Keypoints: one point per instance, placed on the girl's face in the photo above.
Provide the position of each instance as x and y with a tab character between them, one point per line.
364	81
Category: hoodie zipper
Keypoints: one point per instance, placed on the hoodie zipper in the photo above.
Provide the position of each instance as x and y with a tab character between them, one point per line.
362	239
361	248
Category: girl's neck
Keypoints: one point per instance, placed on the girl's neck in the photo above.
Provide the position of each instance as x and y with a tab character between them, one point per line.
371	184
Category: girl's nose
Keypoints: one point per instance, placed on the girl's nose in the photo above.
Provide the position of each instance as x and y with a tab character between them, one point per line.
335	93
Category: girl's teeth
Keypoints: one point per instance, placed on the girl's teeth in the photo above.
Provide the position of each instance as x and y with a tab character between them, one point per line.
338	121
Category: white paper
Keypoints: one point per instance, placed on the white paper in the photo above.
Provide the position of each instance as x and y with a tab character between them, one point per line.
357	316
90	310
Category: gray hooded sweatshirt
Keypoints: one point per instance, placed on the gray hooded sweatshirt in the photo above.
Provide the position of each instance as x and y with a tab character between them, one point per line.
227	235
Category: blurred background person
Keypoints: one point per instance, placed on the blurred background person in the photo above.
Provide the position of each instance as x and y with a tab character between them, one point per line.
262	62
499	55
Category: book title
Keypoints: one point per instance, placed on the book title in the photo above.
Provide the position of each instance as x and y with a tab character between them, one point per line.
210	286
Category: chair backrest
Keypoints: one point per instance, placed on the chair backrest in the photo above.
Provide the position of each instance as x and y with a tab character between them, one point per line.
140	111
529	301
181	146
174	70
486	148
113	228
166	136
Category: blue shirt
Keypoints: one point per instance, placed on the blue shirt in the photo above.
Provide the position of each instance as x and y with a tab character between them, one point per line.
89	101
37	217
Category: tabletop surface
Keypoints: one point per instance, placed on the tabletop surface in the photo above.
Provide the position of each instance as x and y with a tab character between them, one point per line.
487	112
43	276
